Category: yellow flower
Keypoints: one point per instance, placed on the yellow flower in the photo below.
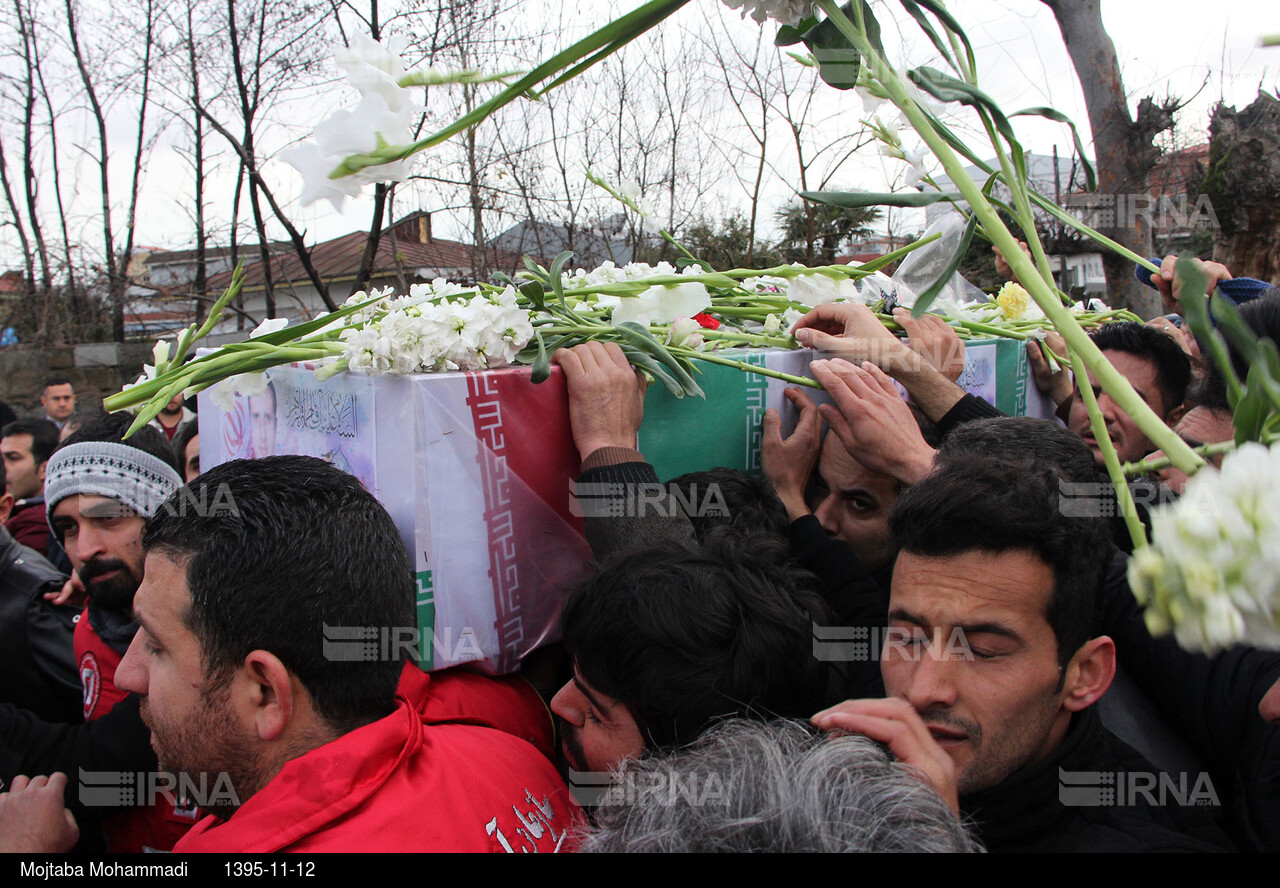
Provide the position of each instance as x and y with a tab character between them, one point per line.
1013	300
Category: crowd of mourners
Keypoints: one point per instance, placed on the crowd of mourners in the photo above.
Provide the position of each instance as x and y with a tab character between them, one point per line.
912	632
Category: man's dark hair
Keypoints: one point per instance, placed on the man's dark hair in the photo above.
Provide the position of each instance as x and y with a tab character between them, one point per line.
685	634
1173	367
277	548
749	501
79	418
112	426
186	432
44	436
55	380
1004	484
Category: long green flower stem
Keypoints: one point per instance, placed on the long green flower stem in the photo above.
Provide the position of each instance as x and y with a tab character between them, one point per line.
746	367
1152	464
1077	340
761	340
730	278
602	42
201	376
1098	425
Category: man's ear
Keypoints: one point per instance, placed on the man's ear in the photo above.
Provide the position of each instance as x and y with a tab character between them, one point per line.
6	507
1089	673
1174	415
40	472
264	692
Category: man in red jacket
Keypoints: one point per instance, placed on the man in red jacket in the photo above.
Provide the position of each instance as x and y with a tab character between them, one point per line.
256	575
98	492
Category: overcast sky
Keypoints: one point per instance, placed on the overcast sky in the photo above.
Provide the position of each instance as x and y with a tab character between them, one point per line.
1201	52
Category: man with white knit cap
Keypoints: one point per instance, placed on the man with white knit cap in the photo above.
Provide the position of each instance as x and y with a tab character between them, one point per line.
99	491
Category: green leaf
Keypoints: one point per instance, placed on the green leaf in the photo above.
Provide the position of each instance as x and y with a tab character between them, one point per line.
1269	362
1251	411
838	60
1234	328
925	299
541	364
859	199
535	269
1195	309
913	9
306	328
1271	357
949	22
534	292
615	35
685	261
647	342
557	278
1091	178
643	361
790	36
945	88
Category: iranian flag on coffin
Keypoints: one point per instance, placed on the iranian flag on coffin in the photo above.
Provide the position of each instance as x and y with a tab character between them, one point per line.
474	468
690	435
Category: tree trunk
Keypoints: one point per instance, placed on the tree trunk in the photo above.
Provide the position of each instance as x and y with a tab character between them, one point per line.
1123	148
115	284
1242	185
371	242
201	283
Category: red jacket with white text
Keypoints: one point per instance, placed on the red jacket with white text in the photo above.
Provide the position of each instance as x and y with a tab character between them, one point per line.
460	765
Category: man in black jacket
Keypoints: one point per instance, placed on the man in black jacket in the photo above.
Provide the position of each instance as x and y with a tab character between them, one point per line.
994	640
36	653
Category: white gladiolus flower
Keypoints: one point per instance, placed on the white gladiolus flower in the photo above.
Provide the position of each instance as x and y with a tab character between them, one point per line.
681	300
975	312
629	188
787	12
148	373
870	103
270	325
663	304
1212	573
819	289
373	67
648	216
361	130
765	285
249	385
1091	304
681	330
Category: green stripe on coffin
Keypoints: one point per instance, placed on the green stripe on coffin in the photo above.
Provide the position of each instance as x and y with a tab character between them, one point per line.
691	435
